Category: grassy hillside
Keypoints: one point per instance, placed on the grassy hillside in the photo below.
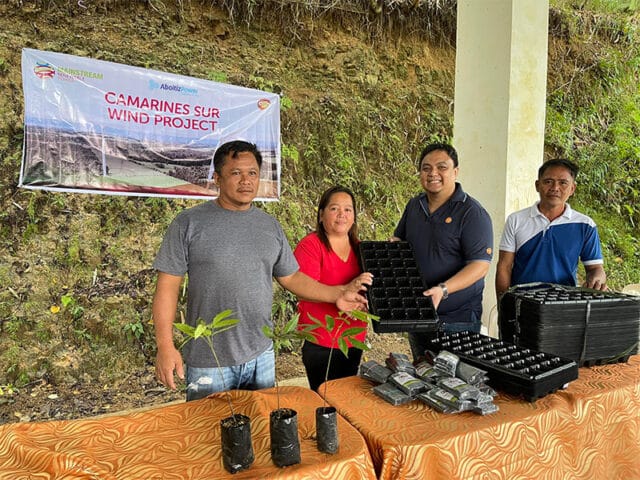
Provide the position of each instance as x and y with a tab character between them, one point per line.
593	118
362	92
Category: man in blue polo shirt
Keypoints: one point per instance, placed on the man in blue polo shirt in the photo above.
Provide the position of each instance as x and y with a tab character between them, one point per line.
452	240
544	243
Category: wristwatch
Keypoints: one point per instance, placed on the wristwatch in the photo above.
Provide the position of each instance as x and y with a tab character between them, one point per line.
445	292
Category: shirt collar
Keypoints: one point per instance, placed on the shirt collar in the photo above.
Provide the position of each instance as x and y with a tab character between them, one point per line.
459	195
534	211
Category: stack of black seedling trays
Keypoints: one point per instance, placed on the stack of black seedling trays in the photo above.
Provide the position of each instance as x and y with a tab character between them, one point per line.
589	326
512	369
396	294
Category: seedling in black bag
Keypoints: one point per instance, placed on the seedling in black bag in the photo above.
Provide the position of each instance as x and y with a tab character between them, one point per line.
237	450
283	422
326	417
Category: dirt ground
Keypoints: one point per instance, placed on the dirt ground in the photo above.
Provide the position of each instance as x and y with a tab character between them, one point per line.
42	401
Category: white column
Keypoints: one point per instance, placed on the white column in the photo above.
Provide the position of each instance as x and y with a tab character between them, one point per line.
499	111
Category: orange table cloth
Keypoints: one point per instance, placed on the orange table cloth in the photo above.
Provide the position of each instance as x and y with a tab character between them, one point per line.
591	430
177	442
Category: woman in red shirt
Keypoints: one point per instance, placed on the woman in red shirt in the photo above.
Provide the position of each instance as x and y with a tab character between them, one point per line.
330	255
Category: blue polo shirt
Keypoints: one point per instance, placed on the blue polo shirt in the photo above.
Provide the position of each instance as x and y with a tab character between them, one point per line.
549	251
444	242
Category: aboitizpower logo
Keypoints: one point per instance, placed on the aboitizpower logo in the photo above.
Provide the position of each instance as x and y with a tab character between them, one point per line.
153	85
44	70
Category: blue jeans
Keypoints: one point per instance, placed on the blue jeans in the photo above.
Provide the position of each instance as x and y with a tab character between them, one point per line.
252	375
419	342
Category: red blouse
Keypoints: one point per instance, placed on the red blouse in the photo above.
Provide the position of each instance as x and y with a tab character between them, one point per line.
326	267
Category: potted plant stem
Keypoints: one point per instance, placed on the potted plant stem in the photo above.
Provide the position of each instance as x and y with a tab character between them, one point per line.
237	449
283	422
326	416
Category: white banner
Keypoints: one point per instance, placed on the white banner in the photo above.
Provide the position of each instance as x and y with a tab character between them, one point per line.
100	127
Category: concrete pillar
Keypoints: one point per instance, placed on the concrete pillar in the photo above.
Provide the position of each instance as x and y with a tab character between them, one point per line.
499	110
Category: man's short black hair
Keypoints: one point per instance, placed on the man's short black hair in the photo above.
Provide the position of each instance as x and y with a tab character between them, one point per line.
559	162
445	147
232	149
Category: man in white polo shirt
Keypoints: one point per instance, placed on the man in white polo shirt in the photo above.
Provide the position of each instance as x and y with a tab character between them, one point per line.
544	242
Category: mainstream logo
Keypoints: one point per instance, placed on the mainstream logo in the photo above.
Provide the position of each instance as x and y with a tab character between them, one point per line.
44	70
153	85
77	74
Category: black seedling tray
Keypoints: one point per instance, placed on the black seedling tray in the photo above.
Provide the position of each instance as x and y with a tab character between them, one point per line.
396	294
515	370
585	325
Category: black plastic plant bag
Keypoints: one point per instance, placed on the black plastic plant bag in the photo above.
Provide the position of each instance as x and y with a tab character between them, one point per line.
327	429
285	444
237	450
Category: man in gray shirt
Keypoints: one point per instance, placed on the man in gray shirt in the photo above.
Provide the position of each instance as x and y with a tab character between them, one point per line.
231	251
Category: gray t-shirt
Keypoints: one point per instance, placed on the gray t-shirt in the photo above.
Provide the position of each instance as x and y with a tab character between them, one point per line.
231	258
